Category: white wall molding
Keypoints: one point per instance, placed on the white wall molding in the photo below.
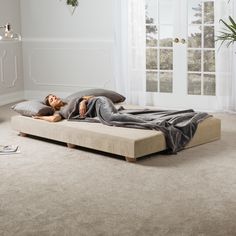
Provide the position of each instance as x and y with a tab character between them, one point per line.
11	97
9	65
68	65
1	64
7	83
11	68
58	62
40	94
68	40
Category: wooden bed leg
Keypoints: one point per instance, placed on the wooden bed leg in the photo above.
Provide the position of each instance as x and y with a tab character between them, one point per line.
22	134
130	159
69	145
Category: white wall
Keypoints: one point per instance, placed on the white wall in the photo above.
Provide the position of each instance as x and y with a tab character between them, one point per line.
234	67
64	53
11	73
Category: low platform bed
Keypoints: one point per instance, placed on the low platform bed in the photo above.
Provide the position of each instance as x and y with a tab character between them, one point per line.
128	142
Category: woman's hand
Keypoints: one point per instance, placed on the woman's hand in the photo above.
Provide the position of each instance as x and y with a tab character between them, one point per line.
53	118
83	105
36	117
83	108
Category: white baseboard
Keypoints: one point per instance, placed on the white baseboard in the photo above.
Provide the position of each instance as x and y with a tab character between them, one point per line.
11	97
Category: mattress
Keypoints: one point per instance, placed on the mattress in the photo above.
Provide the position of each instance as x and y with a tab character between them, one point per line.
128	142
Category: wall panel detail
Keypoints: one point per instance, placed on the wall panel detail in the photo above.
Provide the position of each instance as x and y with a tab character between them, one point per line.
8	68
77	65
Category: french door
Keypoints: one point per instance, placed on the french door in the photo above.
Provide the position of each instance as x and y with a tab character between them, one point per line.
180	54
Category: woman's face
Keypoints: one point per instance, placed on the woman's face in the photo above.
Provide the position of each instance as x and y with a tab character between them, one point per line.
54	101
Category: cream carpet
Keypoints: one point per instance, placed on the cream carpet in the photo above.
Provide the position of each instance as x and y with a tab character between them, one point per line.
49	189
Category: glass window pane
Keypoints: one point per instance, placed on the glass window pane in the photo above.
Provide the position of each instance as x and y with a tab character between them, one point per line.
151	36
151	81
194	84
166	59
209	37
209	61
151	58
194	60
166	12
166	36
195	36
194	11
209	12
166	82
209	85
151	12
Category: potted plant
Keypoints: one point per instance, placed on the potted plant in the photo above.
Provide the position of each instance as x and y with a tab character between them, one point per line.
228	36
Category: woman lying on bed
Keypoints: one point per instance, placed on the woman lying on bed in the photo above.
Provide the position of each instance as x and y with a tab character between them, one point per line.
177	126
86	106
61	108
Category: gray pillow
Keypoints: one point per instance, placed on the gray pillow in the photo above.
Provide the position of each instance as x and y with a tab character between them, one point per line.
114	96
33	108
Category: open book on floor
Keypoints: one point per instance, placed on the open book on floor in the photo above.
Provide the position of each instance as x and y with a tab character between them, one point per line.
8	149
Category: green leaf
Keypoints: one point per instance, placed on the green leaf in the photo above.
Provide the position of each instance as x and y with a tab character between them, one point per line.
73	3
232	22
231	28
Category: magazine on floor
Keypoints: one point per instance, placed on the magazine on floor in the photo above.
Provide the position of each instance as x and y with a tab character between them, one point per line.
8	149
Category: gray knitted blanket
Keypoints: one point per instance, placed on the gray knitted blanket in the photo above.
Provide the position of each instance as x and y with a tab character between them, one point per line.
177	126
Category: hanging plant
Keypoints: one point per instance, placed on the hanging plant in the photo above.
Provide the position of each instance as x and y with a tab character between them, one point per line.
73	3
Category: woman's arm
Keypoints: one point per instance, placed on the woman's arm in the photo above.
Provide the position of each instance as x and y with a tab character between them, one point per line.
83	105
53	118
87	97
82	108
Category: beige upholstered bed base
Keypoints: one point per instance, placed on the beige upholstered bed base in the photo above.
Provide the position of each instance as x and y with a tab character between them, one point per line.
127	142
